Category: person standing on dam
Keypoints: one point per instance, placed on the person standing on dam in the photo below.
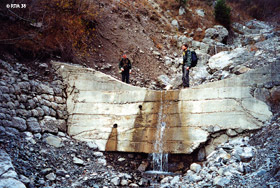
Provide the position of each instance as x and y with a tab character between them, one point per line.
125	68
189	60
186	65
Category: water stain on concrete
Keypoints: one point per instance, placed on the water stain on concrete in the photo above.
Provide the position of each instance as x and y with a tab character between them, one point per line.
112	143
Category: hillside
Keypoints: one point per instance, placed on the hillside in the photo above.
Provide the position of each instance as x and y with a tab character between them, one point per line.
96	34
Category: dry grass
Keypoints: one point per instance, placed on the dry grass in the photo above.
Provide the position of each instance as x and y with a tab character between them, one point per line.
67	29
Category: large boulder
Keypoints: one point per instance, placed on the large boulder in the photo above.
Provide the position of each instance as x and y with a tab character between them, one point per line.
199	74
217	33
7	172
225	59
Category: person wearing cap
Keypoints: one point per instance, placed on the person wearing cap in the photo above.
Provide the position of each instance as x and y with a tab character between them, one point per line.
125	68
187	60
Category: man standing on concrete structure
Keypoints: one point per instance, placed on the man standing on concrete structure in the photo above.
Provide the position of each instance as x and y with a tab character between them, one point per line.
187	60
125	68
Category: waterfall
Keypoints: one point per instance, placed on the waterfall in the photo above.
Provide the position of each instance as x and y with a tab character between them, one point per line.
160	159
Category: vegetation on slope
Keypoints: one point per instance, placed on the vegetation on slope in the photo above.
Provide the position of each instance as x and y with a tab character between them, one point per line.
48	28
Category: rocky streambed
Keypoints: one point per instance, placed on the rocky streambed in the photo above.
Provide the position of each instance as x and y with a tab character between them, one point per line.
56	160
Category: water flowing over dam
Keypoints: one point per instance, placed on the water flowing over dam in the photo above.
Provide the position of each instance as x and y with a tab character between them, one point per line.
122	117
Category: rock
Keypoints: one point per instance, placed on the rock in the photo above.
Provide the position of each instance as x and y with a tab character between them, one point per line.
156	53
215	142
4	89
98	154
45	89
199	74
175	180
223	60
200	12
78	161
221	181
124	182
241	69
11	131
46	171
19	123
24	179
43	66
61	125
121	159
247	154
275	96
176	81
51	176
195	167
182	11
231	132
167	179
201	154
143	166
61	172
11	183
54	141
133	185
167	61
92	145
46	110
115	181
102	161
49	124
191	177
183	40
262	94
163	79
175	24
6	166
218	33
33	125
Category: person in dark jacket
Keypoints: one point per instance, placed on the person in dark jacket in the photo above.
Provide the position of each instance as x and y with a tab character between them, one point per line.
186	65
125	68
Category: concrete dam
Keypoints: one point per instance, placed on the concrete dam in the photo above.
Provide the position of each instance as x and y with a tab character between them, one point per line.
122	117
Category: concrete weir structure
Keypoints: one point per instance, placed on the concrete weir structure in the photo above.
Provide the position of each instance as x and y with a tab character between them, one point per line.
122	117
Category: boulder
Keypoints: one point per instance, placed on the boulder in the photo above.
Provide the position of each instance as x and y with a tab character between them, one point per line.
19	123
49	124
182	11
176	81
175	24
11	183
115	181
221	181
54	141
78	161
225	59
33	125
240	69
217	33
199	74
195	167
164	80
143	166
200	12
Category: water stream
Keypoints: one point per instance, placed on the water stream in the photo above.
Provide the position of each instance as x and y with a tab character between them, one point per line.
160	159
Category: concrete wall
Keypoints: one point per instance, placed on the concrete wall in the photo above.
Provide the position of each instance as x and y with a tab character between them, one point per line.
96	102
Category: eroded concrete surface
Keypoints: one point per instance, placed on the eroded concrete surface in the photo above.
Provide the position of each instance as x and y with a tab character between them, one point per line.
121	117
